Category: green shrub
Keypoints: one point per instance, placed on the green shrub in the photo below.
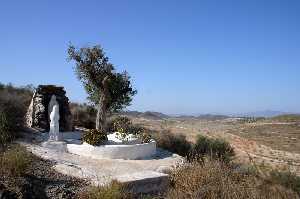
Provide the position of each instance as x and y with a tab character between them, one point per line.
175	143
145	137
14	161
122	124
141	132
287	179
114	190
214	148
94	137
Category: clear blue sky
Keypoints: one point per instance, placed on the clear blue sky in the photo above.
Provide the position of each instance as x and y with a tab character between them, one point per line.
184	56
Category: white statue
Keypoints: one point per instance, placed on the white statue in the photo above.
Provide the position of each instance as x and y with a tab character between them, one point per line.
54	134
51	104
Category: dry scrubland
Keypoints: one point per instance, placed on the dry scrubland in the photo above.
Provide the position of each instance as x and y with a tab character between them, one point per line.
270	143
265	143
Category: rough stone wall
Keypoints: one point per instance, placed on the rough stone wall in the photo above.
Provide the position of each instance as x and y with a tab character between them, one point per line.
37	114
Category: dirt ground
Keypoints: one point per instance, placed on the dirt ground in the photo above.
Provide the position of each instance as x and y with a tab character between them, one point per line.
266	143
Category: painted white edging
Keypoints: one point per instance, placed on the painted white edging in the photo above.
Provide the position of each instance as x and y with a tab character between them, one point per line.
129	152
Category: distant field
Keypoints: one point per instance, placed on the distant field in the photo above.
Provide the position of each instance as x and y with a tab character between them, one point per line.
286	118
274	141
279	136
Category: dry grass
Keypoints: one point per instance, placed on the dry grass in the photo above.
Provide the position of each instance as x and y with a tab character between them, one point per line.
14	161
275	143
28	176
285	137
286	118
214	179
114	190
286	178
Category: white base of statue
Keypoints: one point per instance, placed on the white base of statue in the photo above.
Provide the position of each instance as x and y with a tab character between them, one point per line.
59	146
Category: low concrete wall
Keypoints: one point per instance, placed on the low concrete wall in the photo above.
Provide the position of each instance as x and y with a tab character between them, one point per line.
130	152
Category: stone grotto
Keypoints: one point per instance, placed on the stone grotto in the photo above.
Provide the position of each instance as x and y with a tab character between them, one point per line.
38	114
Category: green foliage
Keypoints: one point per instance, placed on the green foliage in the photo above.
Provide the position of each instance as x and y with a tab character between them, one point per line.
120	92
124	126
286	179
14	161
114	190
92	67
214	148
175	143
94	137
145	136
121	124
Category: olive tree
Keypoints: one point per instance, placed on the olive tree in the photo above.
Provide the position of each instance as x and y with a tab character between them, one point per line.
107	89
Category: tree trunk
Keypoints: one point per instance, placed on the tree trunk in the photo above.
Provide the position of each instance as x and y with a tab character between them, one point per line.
102	107
101	115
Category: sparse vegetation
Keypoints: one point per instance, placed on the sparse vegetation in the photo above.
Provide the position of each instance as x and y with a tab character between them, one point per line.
278	136
172	142
214	179
13	106
286	179
114	190
287	118
24	175
214	148
94	137
14	161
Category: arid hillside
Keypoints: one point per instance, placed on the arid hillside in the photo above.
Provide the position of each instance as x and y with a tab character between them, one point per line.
273	143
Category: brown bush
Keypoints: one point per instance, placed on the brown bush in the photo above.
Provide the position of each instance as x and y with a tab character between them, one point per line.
14	161
286	179
214	179
13	106
83	115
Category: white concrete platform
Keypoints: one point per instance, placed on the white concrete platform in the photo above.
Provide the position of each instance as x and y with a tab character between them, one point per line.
127	152
59	146
145	175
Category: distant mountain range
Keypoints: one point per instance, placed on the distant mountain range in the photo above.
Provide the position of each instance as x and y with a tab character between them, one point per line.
148	115
266	113
159	116
204	116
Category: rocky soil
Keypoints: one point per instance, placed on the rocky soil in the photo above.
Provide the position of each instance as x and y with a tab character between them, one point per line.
40	181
